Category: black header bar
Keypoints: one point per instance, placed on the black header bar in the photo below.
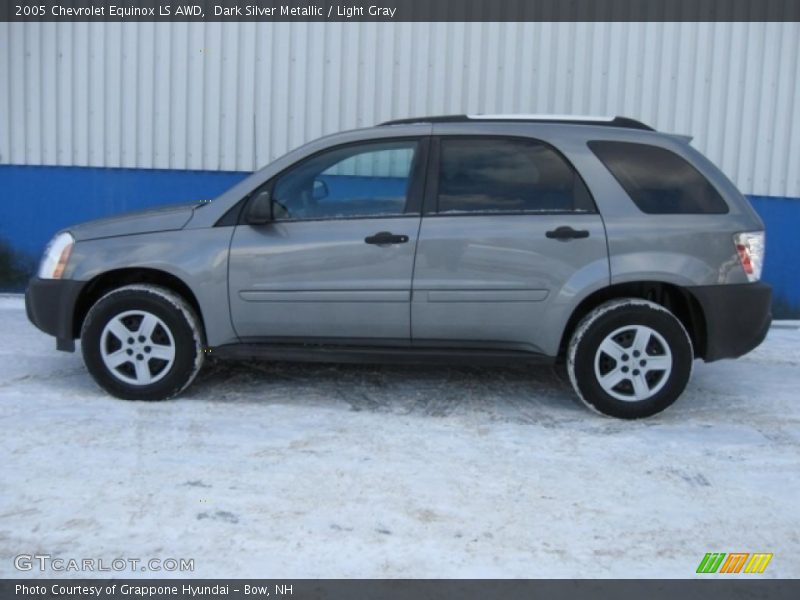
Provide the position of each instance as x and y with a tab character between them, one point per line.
400	10
710	588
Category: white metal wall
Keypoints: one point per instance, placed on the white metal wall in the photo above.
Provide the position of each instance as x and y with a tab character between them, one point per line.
233	96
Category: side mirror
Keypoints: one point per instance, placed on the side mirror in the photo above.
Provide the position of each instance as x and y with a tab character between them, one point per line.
260	210
320	189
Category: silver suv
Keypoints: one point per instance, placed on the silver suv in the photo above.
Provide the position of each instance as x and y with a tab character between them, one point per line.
598	243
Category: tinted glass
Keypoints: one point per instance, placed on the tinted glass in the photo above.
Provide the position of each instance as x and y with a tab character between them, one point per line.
354	181
658	180
507	175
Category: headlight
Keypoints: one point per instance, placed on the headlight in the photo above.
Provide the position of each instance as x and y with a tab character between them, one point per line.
56	256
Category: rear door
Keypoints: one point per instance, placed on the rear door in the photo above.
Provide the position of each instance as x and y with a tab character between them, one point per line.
335	262
509	230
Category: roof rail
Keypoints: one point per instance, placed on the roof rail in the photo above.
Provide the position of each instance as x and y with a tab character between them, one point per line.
624	122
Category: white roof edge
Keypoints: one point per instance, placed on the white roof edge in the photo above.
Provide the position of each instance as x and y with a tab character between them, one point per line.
682	137
510	117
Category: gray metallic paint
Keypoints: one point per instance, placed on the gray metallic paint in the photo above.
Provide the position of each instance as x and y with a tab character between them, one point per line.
167	218
478	279
319	278
199	258
523	278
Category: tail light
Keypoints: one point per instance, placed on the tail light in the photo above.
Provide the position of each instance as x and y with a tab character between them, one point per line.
750	247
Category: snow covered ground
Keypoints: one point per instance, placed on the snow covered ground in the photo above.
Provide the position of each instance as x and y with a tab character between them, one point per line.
274	470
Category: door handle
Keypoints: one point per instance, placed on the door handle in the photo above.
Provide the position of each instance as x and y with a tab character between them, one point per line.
383	238
565	234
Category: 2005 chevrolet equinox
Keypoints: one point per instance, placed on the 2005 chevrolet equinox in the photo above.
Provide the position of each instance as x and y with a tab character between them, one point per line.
597	242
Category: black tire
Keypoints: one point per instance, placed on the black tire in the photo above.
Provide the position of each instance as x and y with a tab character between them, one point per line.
176	327
651	389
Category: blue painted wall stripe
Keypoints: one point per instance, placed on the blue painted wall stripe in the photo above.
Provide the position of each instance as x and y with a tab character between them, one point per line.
37	201
781	218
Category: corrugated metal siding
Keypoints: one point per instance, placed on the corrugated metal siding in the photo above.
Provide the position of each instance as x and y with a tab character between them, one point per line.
233	96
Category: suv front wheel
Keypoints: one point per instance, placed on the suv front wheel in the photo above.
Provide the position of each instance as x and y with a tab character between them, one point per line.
629	358
142	342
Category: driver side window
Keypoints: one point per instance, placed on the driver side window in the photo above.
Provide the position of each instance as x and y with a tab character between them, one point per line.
361	180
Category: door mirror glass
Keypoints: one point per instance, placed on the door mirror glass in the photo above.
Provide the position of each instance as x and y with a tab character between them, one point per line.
320	190
260	210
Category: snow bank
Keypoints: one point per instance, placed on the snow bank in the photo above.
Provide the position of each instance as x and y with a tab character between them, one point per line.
270	470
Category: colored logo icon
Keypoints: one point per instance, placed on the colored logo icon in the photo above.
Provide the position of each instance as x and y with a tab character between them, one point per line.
734	562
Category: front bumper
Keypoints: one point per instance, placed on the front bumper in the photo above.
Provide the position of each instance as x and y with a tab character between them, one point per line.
737	317
50	304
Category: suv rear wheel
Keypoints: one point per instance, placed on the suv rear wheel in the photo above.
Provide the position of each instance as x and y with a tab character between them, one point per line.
142	342
629	358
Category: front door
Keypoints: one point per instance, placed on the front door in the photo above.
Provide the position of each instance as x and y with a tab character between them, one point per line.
335	262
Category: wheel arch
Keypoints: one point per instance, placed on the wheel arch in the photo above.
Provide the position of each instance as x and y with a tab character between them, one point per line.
105	282
678	300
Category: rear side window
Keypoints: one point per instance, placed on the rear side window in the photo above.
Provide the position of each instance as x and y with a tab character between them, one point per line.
658	180
507	175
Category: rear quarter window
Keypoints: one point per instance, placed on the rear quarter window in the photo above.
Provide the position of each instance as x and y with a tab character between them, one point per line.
658	180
